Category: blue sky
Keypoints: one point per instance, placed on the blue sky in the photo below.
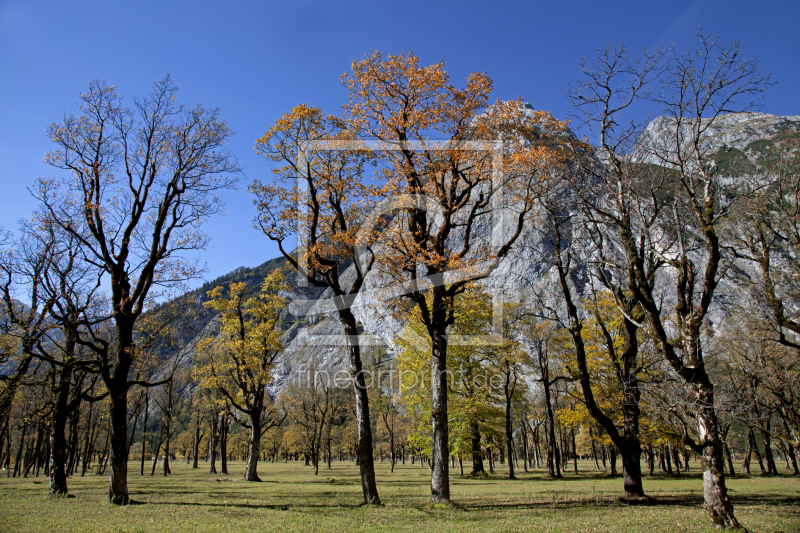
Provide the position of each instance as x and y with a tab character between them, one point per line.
256	60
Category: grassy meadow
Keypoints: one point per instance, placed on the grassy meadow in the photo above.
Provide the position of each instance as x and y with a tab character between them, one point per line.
291	498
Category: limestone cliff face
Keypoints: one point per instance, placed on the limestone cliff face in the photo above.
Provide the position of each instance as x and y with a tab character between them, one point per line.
737	131
314	339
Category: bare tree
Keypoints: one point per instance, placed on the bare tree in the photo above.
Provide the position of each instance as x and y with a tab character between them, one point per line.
138	184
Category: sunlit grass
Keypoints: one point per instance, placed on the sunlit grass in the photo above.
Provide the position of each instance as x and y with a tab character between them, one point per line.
291	498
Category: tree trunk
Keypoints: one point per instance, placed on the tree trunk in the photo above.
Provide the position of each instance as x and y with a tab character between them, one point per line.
575	453
790	452
58	436
676	460
612	460
223	443
509	429
477	451
525	451
167	428
771	468
91	433
391	447
212	445
144	431
715	492
594	450
728	460
157	450
440	473
196	443
118	471
365	462
748	454
251	471
553	468
751	437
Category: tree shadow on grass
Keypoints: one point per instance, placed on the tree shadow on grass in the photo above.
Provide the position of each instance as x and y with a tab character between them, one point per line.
277	507
610	501
600	476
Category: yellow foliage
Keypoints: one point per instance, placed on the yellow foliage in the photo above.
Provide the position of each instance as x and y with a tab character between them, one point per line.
239	362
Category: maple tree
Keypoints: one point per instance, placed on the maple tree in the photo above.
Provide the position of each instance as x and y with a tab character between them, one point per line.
311	405
696	87
476	384
321	196
137	185
442	180
239	363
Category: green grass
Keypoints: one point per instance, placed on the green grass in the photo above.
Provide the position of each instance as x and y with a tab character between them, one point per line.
291	498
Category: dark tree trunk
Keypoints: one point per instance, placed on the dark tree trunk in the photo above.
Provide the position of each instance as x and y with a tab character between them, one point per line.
58	436
91	433
728	460
251	471
748	454
72	447
118	471
144	431
667	458
440	473
157	450
553	467
509	391
196	442
612	459
525	452
366	464
790	452
765	434
212	445
751	438
167	430
575	452
134	423
477	451
628	441
594	449
103	459
676	460
223	443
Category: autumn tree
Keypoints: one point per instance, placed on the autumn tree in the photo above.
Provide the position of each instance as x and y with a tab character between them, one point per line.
24	326
321	197
386	403
48	266
138	182
695	88
239	363
442	181
764	230
508	360
474	385
72	286
309	405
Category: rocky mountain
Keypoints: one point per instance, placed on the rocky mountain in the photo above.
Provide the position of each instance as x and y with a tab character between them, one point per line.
313	335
